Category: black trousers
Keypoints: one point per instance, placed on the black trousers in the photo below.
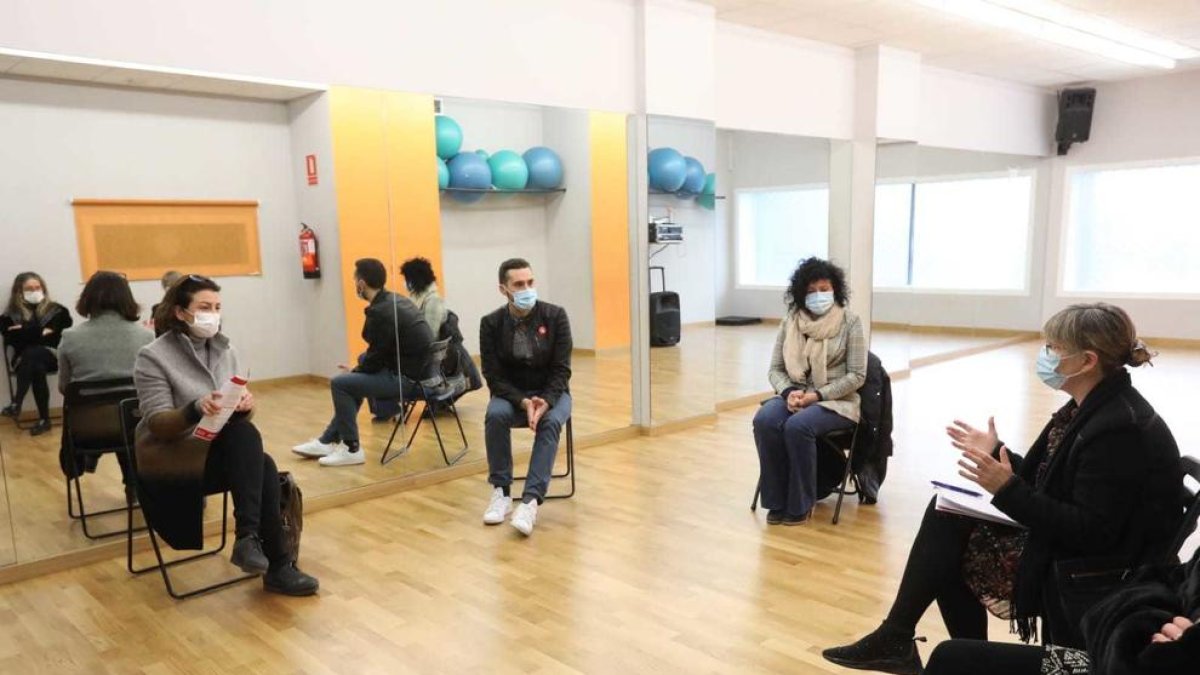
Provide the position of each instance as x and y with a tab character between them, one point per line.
34	364
236	462
934	574
973	657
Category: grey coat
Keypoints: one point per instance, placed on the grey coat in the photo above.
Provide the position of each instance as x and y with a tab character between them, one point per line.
102	348
169	373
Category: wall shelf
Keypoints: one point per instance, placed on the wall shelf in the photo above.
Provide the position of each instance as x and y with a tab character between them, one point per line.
494	191
685	195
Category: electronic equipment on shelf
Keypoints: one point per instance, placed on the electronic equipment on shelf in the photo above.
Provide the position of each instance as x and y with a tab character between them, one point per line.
663	231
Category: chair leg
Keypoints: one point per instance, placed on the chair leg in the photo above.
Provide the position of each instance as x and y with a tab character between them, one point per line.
570	470
83	515
438	433
386	458
757	494
837	511
163	564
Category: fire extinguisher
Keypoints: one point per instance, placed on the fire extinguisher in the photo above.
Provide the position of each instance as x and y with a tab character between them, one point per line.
310	260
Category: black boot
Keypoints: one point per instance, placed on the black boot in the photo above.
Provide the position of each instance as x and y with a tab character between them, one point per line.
774	516
11	410
885	650
40	428
248	555
287	579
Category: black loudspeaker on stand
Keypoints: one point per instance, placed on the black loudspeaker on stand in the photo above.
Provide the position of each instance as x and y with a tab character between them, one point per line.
664	313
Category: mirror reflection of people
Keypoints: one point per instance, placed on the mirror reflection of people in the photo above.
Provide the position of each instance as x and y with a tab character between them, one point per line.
526	351
32	325
178	379
168	279
1100	487
423	291
105	346
818	365
460	371
397	357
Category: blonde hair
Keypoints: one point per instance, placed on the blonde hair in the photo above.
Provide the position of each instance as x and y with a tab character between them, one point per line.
1102	328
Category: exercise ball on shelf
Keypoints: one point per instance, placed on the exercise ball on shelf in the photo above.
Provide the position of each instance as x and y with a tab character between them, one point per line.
482	153
708	196
469	170
545	168
443	173
509	171
667	169
694	177
449	136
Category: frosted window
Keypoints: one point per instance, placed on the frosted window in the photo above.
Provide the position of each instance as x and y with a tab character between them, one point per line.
778	228
893	209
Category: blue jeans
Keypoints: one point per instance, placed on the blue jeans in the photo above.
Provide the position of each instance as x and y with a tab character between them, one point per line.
787	453
349	390
498	422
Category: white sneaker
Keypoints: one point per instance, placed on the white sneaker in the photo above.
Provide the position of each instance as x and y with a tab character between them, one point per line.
524	517
341	456
315	448
498	508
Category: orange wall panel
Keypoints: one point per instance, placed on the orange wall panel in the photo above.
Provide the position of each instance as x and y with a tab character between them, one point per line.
610	229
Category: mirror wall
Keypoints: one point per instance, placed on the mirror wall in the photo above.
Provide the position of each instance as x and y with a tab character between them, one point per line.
370	191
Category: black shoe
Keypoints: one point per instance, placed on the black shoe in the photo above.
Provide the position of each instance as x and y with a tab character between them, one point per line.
774	516
40	428
248	555
11	410
789	519
289	580
882	650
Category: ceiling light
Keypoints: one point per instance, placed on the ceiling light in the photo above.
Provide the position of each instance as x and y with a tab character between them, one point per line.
1101	27
1076	37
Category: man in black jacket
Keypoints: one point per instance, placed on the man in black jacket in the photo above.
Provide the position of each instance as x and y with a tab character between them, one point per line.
526	352
397	357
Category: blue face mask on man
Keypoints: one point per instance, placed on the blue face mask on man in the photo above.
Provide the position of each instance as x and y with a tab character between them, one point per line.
524	300
1048	362
819	302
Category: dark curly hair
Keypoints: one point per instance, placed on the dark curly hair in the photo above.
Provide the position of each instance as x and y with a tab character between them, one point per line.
810	270
418	273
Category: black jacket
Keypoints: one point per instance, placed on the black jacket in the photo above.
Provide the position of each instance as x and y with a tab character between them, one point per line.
56	318
1119	628
873	442
387	314
547	374
1111	492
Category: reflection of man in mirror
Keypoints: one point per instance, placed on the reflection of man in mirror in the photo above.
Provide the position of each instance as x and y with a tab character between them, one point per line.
397	357
526	351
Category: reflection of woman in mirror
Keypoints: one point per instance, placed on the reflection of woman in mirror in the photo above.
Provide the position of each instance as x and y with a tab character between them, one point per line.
178	377
423	291
817	368
32	326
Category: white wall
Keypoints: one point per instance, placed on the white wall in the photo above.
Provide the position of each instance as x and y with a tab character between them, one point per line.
679	58
970	112
689	266
316	205
71	141
579	53
781	84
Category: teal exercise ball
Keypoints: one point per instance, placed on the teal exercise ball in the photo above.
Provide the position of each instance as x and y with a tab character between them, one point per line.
469	170
668	169
443	172
710	184
449	136
694	176
545	168
708	196
509	171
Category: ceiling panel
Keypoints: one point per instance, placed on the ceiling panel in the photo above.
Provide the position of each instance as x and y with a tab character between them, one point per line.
952	42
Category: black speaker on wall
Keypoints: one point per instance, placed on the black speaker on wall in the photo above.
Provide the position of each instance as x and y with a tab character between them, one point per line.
664	314
1074	117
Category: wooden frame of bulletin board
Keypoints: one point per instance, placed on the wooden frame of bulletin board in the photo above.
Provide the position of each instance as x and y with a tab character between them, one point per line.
142	238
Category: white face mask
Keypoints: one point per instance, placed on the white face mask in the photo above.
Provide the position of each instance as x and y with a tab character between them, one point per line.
34	297
205	324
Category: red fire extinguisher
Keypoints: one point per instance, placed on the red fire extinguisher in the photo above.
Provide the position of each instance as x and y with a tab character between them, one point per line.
310	260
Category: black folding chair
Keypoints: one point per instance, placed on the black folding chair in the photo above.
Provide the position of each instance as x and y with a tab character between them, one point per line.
1191	501
436	393
10	367
92	428
570	470
129	419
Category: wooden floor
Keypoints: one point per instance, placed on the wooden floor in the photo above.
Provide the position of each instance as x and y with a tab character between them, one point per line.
656	566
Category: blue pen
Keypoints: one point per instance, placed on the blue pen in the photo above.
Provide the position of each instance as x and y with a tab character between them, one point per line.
955	488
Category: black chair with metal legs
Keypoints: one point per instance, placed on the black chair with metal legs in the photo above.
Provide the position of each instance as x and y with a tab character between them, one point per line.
92	428
436	393
129	419
841	444
570	470
10	367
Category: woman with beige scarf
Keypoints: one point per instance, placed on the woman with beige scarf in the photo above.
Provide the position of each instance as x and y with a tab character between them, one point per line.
819	363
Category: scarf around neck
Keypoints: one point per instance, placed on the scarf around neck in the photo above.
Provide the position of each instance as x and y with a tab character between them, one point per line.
806	345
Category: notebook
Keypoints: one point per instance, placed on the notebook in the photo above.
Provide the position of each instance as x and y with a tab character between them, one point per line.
955	499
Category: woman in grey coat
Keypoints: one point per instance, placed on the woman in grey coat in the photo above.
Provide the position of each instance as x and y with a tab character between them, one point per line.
817	368
178	377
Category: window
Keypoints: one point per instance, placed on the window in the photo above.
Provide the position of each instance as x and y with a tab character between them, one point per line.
1133	231
965	235
778	227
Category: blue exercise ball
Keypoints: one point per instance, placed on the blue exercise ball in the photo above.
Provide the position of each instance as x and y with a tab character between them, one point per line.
693	181
469	170
449	136
668	169
545	169
443	173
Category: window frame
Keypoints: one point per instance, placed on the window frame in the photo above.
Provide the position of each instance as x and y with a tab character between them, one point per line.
1065	224
737	232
